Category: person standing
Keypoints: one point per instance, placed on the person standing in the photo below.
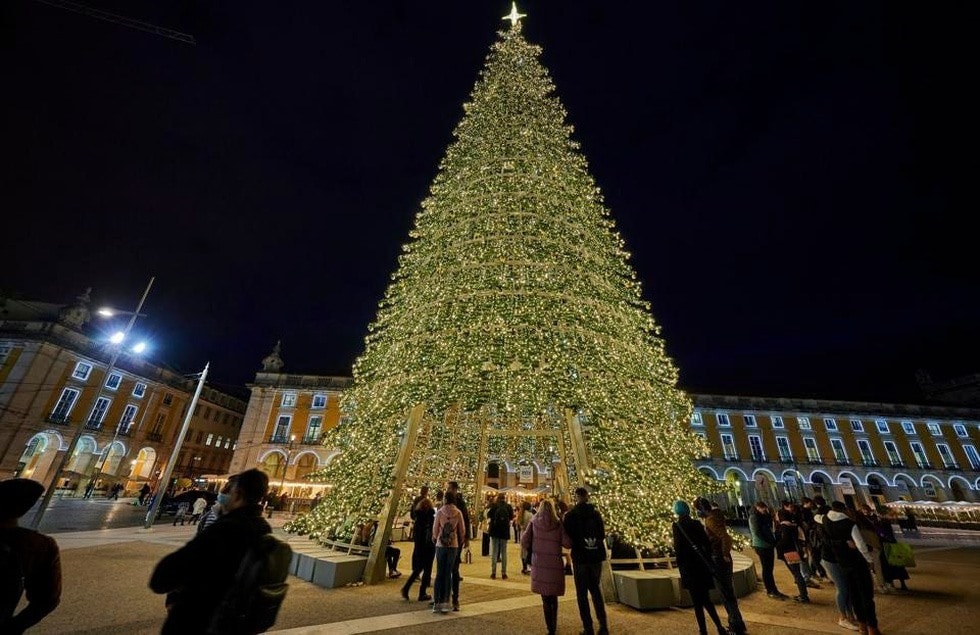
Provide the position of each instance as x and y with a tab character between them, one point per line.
853	559
693	551
501	515
32	556
525	517
764	544
460	503
789	550
587	535
144	492
425	549
220	505
845	612
886	536
423	493
544	539
721	557
200	504
449	534
194	589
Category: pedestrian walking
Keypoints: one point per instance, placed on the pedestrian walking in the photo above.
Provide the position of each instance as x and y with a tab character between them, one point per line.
501	515
886	536
853	558
721	558
88	489
788	550
424	551
693	552
764	544
144	492
587	534
200	504
525	517
544	539
114	491
460	503
181	513
449	534
30	562
198	576
842	596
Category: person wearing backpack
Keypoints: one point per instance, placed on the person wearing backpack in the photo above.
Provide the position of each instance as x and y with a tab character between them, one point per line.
587	532
449	534
501	515
29	561
196	595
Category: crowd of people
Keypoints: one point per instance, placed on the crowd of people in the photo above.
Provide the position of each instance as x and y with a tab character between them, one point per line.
829	544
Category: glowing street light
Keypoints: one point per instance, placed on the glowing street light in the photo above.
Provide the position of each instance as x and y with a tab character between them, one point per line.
140	347
117	337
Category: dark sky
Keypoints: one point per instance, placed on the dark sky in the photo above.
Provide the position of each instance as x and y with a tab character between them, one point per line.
793	179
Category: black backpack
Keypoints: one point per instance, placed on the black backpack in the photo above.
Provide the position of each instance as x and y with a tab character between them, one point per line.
259	588
500	519
11	583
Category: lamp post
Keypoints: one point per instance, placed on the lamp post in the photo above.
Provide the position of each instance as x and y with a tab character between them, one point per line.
151	515
117	341
289	451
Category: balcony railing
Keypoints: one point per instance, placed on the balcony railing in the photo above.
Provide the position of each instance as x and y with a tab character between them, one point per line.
897	463
925	466
93	424
953	467
815	461
732	458
869	463
787	460
311	440
154	436
124	430
843	462
756	458
278	439
61	420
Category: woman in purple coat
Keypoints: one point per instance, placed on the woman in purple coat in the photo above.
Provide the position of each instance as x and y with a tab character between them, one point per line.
544	538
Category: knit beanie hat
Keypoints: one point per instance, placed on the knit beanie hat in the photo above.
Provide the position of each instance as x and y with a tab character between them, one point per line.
17	496
681	508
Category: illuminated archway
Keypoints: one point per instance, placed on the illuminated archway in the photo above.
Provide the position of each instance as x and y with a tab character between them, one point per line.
114	457
304	464
273	463
959	488
83	459
143	465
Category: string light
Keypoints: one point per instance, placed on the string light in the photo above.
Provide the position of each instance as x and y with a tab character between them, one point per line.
513	304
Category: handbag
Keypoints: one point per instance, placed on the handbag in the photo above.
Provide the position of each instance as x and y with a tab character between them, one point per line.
899	554
792	557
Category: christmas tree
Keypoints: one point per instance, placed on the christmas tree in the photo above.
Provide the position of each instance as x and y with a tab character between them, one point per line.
516	322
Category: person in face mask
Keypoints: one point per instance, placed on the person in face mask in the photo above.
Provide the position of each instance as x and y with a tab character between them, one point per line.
220	504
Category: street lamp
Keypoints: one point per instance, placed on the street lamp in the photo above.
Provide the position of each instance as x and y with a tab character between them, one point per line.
36	521
289	451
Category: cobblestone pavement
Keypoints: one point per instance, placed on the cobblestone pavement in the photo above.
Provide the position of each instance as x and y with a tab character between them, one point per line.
106	574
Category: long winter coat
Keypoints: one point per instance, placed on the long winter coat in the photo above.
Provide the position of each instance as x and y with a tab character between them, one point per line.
545	537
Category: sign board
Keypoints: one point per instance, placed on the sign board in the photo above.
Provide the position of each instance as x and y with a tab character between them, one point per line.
526	473
930	489
846	486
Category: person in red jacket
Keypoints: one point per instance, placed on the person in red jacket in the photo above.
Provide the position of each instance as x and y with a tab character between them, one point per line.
544	539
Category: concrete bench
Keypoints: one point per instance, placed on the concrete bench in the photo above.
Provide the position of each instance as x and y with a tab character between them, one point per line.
337	570
306	562
661	588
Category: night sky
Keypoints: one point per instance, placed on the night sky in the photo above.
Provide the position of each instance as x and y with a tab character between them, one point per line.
791	178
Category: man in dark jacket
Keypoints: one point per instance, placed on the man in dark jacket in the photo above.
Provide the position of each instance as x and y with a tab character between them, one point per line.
35	554
197	576
453	487
584	526
501	514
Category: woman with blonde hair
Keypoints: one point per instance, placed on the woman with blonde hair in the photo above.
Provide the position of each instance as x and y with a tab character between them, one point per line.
544	538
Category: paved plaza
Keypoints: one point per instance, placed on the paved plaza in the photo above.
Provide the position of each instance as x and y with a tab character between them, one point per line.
106	574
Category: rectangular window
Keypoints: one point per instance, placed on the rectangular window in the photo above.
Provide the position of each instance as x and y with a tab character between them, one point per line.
217	441
840	454
723	420
158	424
139	389
319	402
920	454
945	455
960	430
200	436
777	422
750	421
282	429
812	453
288	399
882	426
894	458
65	403
867	456
857	425
129	414
168	399
972	456
82	371
755	446
934	429
908	427
113	380
209	439
696	419
313	429
785	454
804	423
227	442
728	447
830	424
98	411
207	413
